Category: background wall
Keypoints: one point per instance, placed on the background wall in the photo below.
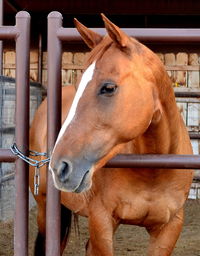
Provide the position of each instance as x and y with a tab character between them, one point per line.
182	67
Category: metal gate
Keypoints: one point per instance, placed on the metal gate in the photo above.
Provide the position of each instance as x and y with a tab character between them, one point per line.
57	34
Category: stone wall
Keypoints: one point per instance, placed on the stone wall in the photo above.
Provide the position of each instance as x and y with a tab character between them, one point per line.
183	68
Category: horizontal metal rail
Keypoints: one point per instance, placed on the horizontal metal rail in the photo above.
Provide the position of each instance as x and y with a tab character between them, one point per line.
153	35
7	156
155	161
8	32
189	94
194	136
136	160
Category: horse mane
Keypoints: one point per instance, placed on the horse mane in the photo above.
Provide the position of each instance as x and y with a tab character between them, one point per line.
159	73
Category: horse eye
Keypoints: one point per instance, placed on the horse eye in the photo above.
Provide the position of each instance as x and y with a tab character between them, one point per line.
108	89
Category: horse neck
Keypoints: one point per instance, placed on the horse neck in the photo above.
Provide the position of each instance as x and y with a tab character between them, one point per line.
163	137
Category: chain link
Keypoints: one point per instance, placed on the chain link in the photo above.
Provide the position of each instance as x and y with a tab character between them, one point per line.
29	160
36	181
35	163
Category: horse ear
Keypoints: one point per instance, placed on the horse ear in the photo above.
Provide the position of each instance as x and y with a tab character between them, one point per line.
115	32
90	37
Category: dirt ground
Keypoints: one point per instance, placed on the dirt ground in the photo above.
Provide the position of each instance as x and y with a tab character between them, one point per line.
129	240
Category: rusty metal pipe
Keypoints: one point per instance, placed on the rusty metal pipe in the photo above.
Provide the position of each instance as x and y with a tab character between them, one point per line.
155	161
8	32
153	35
22	133
7	156
54	124
194	136
189	94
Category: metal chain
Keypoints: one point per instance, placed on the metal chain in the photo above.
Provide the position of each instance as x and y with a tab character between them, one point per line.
35	163
29	160
35	153
36	181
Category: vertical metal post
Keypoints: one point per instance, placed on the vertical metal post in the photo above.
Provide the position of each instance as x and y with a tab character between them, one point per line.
54	123
1	42
22	133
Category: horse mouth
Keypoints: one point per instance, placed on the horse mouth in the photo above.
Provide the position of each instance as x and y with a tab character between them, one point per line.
83	184
77	181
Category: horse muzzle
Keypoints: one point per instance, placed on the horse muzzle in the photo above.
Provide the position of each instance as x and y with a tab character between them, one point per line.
72	176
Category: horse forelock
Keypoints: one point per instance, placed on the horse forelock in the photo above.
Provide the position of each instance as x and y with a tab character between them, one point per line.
104	45
99	50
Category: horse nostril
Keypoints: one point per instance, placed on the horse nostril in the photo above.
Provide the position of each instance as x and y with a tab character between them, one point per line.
63	171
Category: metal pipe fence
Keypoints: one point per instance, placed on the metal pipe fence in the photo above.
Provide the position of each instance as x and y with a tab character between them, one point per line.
56	34
153	35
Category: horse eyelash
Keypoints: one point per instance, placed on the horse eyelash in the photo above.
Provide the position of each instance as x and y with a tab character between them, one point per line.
105	86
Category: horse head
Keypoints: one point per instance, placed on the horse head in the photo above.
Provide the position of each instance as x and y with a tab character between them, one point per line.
116	101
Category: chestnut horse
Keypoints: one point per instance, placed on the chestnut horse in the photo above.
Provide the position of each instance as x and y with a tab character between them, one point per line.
124	104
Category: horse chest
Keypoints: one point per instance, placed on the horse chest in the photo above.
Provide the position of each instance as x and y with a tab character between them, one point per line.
144	212
143	203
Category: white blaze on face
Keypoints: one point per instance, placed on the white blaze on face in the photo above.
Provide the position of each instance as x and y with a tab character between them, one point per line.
86	78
